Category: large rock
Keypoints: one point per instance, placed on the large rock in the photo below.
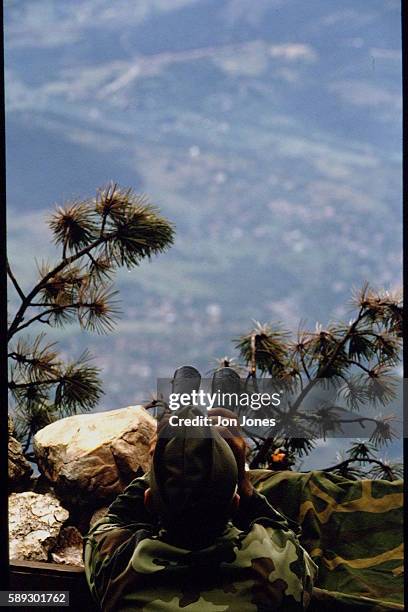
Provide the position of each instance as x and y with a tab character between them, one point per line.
19	470
90	458
35	522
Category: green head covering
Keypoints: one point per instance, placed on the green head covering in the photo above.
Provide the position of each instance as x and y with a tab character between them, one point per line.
194	473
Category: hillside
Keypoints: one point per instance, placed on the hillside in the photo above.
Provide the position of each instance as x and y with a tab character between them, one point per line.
269	132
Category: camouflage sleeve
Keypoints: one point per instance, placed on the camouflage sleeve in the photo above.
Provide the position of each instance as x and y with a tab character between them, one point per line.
257	509
129	506
111	541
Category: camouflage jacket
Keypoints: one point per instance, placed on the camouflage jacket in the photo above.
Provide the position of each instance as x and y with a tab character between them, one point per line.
256	565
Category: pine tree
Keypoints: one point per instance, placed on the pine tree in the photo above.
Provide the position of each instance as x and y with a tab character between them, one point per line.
96	237
354	360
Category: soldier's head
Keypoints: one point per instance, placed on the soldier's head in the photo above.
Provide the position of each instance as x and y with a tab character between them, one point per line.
193	481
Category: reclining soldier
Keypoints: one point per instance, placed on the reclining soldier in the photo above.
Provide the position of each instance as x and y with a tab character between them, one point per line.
194	535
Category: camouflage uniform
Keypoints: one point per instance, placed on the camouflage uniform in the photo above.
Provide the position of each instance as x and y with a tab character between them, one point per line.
353	531
254	565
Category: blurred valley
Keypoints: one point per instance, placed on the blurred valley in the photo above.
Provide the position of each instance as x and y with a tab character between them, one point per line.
269	132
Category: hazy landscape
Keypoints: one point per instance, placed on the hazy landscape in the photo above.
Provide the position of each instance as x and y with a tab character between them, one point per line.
269	132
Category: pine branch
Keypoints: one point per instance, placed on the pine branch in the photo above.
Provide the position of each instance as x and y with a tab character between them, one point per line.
15	283
15	325
50	311
33	359
98	317
332	359
131	230
38	383
325	357
306	371
344	464
359	365
74	226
